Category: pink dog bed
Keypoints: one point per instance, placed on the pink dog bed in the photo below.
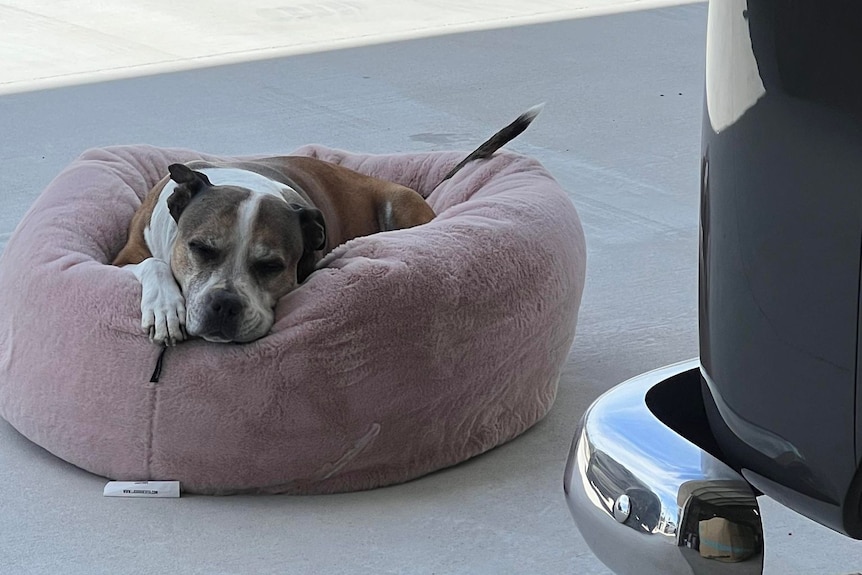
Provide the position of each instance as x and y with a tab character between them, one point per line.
408	352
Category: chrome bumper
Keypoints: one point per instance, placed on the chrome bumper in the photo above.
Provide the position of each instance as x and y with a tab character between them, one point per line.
648	500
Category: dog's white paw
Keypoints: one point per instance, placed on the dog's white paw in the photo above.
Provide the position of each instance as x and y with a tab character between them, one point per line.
163	308
163	316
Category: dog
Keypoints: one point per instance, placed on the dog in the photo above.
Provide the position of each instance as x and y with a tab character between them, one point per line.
216	245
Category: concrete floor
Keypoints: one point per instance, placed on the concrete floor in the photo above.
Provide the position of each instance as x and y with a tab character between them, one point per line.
621	131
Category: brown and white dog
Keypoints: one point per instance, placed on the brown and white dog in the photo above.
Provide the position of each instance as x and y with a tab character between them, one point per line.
215	245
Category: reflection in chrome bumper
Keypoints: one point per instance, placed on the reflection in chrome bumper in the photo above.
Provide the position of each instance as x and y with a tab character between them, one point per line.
648	500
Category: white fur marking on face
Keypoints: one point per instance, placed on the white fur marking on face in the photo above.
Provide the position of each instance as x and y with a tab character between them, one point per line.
252	181
245	221
256	298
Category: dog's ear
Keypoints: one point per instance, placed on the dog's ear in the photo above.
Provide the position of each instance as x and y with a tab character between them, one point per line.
189	184
313	228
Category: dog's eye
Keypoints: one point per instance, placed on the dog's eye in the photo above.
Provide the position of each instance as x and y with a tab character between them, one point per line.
203	251
269	267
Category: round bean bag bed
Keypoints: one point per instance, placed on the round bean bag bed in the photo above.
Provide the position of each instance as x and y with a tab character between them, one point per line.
404	353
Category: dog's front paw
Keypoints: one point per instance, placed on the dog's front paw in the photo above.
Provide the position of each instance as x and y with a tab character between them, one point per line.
163	317
163	308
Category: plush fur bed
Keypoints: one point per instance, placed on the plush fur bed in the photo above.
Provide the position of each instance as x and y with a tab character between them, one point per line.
408	352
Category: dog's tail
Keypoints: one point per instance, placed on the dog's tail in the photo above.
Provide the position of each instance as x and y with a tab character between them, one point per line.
498	140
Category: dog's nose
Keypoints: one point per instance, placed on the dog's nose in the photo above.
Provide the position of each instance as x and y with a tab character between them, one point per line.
225	305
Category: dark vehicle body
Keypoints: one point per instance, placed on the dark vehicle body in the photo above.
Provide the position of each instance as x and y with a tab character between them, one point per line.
781	247
774	404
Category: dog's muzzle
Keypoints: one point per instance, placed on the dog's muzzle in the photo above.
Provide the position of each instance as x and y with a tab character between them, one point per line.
222	315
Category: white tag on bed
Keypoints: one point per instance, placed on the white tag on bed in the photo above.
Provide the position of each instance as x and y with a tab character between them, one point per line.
142	489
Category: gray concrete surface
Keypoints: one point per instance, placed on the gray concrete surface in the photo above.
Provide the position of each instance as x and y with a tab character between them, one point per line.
50	43
621	132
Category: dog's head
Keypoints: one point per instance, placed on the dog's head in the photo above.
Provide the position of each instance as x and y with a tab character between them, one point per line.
236	253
